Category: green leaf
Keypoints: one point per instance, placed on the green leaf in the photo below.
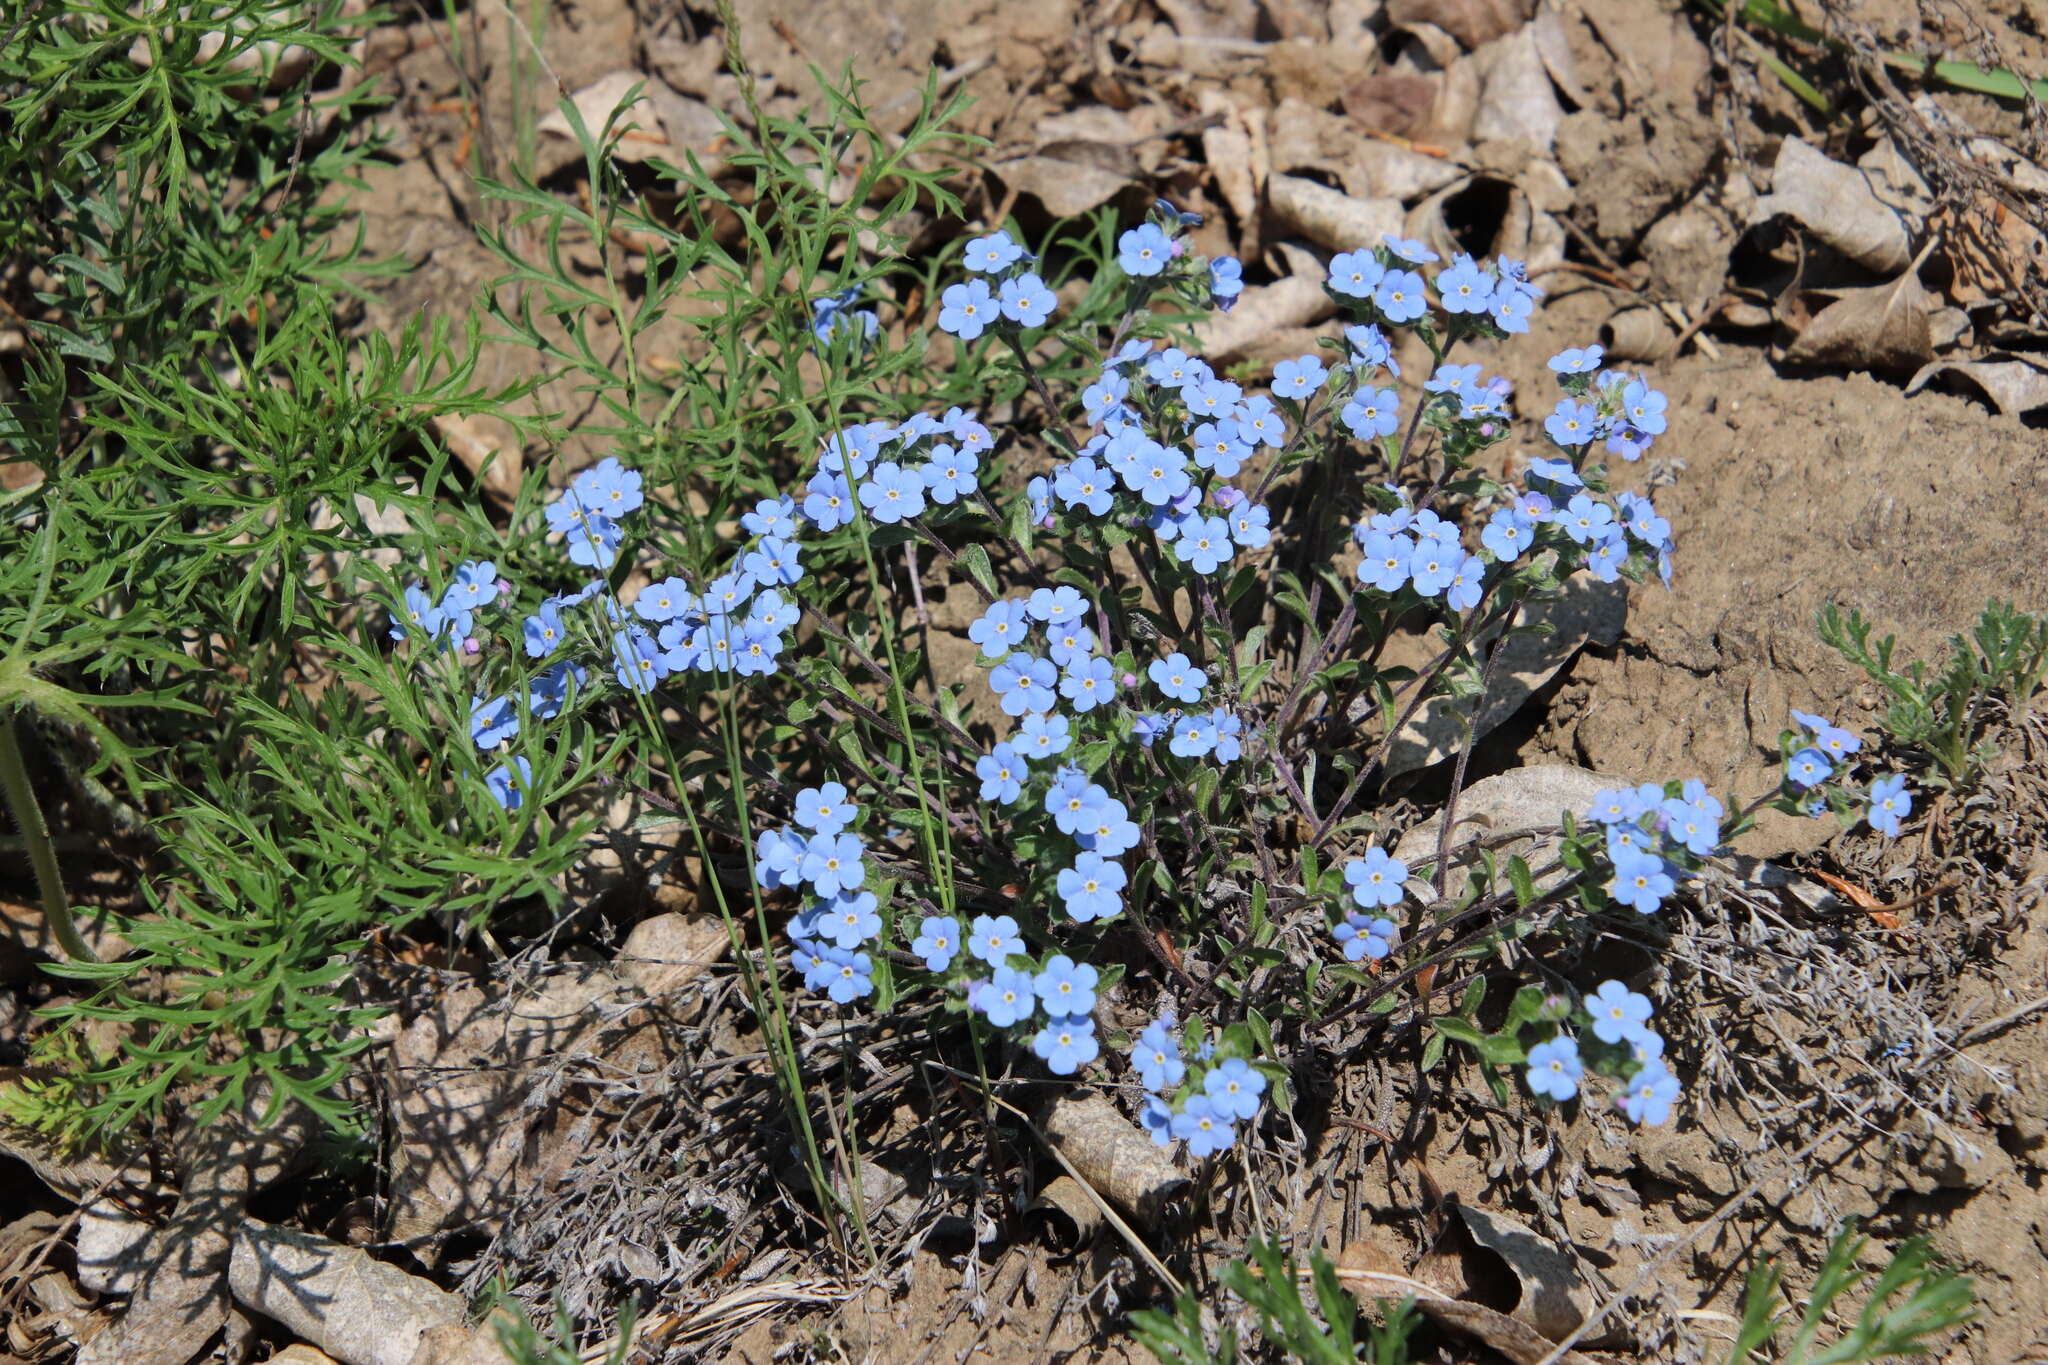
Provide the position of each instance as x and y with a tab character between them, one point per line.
974	559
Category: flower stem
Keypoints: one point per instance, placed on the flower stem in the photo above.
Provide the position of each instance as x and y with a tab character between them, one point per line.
21	799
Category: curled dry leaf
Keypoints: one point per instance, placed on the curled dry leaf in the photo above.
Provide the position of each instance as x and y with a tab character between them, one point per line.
2014	384
1471	22
1523	798
1070	1209
1516	103
1330	218
1638	332
1065	187
1837	205
1882	327
1113	1154
1554	1296
1299	300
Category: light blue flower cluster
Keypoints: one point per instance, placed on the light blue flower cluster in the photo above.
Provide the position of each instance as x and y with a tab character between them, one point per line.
1817	753
587	514
1200	1106
1378	881
898	472
828	865
1628	1048
1383	282
450	622
1019	300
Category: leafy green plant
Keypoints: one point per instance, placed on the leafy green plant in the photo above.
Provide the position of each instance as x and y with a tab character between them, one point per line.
1269	1282
2003	658
1931	1300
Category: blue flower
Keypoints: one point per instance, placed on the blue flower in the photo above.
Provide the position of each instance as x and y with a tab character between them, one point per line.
1002	772
1251	526
951	474
1644	407
1205	545
894	493
1410	249
833	863
1605	559
1356	273
1377	879
1400	297
1387	560
1512	305
1299	378
1109	831
778	858
1433	566
1574	360
1144	250
1364	936
1193	736
637	660
1692	824
1003	626
1067	1044
1056	605
1258	424
1465	287
825	809
1042	737
419	613
849	919
1070	643
1651	1093
1027	302
1508	533
1618	1013
1889	803
1373	413
543	631
995	938
1158	475
1177	677
938	938
1829	738
1555	1068
608	488
967	309
849	976
1229	736
492	722
1205	1130
774	562
475	586
1006	998
1226	282
1084	484
508	782
831	317
771	517
1573	424
1156	1056
828	502
1174	368
1807	768
993	253
1639	880
1064	988
1105	394
1092	888
1585	520
595	542
1218	449
1025	683
1072	799
1466	587
657	602
1215	399
549	688
1234	1088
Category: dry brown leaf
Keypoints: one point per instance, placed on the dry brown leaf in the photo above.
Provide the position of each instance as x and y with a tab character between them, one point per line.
1330	218
1638	332
1298	300
2014	384
1518	1341
1554	1296
1516	103
358	1309
1882	327
1471	22
1522	798
1064	187
1837	205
